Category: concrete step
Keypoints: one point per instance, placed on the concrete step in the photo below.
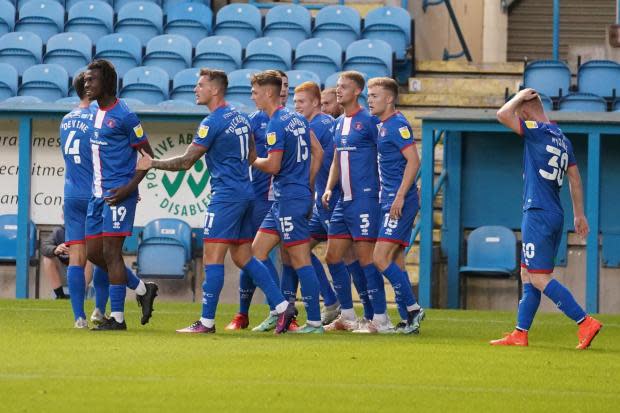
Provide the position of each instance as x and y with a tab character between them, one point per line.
451	100
461	67
460	86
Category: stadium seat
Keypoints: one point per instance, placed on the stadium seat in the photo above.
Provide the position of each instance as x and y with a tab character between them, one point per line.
183	85
168	5
123	50
582	102
165	249
546	102
268	53
21	100
69	100
44	18
373	57
288	21
170	52
239	87
491	252
241	21
296	78
218	52
392	25
21	50
19	3
69	50
133	103
192	20
148	84
142	19
70	3
322	56
119	4
93	18
339	23
617	106
8	81
7	17
175	104
549	77
333	80
241	107
48	82
8	239
600	77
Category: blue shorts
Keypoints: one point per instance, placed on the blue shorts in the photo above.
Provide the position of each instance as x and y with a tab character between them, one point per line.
229	222
289	220
103	220
541	232
399	230
260	211
357	219
75	211
319	223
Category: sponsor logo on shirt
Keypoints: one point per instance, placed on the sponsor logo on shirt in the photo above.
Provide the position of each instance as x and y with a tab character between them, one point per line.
138	131
404	132
203	131
271	138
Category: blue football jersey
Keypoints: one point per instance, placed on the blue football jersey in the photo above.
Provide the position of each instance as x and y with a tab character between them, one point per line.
394	136
75	131
548	154
323	127
116	135
226	133
287	132
356	143
260	180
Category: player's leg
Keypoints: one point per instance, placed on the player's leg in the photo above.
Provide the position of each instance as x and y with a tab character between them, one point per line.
75	211
94	253
52	273
402	308
289	280
359	281
319	224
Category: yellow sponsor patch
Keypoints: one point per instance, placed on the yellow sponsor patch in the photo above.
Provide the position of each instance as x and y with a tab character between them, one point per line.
531	124
138	131
271	138
203	131
404	132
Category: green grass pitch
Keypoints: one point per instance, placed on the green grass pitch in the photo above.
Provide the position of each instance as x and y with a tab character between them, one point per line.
47	366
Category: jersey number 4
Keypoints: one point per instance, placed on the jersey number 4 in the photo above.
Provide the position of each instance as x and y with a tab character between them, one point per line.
558	169
72	147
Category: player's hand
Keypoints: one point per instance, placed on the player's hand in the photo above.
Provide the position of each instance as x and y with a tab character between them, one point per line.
527	94
397	207
61	249
327	196
119	194
581	226
145	162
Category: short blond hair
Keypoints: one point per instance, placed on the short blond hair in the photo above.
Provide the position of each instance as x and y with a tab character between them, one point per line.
268	77
386	83
311	88
354	76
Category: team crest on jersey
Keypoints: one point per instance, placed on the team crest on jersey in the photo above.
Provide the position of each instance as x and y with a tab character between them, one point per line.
138	131
531	124
110	123
271	138
358	126
404	132
203	131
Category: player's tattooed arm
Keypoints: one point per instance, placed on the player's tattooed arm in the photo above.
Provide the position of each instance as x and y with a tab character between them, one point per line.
178	163
576	194
332	180
122	192
316	159
411	170
507	114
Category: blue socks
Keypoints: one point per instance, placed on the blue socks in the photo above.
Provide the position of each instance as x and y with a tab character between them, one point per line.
359	280
376	289
272	270
310	292
77	287
528	306
246	292
400	283
289	283
342	284
211	287
264	280
132	279
101	283
117	301
564	300
327	292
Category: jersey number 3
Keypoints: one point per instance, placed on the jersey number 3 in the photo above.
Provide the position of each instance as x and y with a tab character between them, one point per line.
558	169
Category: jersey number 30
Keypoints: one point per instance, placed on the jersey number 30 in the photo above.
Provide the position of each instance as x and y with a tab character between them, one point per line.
558	169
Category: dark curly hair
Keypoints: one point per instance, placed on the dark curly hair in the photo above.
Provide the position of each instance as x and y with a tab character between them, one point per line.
108	75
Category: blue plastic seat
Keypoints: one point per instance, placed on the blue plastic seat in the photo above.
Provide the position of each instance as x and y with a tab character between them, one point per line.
142	19
94	18
123	50
392	25
8	81
170	52
7	17
296	78
146	83
241	107
69	50
241	21
183	85
218	52
617	105
192	20
44	18
19	3
491	252
70	3
8	239
373	57
288	21
48	82
69	100
175	104
549	77
21	100
600	77
168	5
240	88
133	103
21	50
582	102
268	53
119	4
322	56
165	249
339	23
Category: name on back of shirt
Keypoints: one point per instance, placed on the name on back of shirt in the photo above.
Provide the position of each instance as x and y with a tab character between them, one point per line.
235	122
74	124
